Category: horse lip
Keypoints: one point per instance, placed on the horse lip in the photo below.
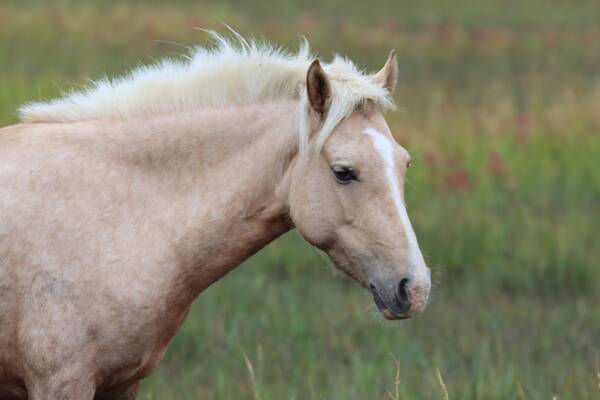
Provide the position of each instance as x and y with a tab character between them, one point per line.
378	301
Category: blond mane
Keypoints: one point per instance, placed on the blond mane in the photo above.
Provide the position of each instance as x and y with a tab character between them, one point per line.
235	71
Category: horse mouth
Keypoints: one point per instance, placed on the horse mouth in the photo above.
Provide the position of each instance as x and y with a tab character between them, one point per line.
384	309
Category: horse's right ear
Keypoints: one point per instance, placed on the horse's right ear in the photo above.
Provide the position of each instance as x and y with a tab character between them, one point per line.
388	75
318	88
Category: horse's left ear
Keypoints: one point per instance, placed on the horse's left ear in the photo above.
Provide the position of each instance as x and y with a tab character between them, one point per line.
318	88
388	75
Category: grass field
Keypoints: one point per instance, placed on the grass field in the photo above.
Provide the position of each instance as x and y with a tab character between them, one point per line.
500	108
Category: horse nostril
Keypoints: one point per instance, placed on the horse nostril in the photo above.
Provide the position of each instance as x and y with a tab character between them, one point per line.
402	297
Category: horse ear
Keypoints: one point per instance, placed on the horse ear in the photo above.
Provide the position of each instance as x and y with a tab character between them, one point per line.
388	75
318	88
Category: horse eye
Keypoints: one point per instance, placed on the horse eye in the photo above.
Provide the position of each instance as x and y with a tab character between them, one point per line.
344	175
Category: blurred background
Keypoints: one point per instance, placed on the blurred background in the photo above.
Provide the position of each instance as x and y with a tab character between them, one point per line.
500	108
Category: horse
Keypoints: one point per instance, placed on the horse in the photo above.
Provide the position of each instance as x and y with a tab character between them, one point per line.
120	203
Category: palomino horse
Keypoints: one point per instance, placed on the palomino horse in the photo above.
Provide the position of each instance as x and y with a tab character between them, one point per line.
120	204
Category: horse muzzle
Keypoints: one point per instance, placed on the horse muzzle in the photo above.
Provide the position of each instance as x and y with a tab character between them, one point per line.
401	301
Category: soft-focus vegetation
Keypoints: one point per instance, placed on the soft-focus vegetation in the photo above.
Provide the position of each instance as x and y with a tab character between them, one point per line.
500	108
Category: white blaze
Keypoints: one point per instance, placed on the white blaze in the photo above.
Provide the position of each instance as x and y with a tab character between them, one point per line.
384	146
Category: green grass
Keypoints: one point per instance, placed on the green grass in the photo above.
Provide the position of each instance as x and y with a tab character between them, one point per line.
500	108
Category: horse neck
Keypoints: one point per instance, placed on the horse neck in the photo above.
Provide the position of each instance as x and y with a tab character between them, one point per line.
224	178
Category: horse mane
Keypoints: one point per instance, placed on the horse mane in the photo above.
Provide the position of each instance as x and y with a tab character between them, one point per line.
235	71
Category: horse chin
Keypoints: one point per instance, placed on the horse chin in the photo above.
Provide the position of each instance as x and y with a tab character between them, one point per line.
390	316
